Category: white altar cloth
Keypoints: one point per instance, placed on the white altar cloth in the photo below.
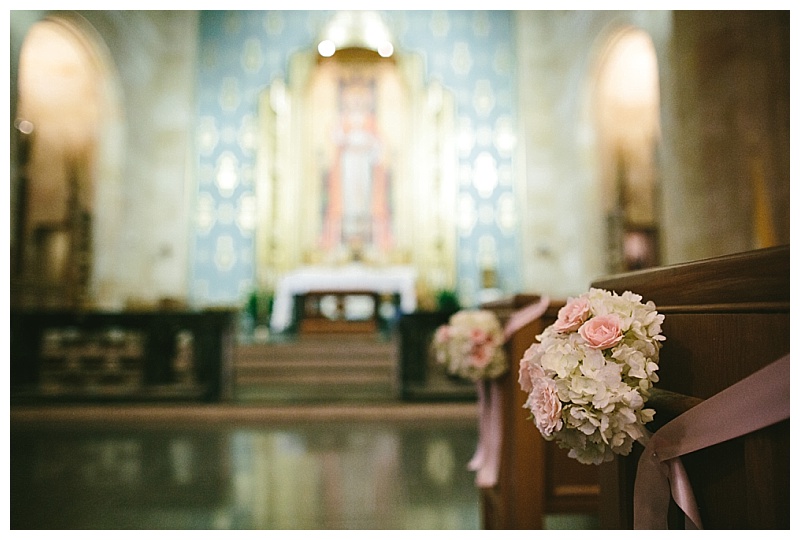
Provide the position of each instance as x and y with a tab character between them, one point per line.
382	280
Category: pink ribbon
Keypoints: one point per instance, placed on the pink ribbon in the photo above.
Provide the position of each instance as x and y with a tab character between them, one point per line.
758	401
486	460
525	316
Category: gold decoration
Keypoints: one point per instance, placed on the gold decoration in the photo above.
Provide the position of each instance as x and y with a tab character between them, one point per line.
296	149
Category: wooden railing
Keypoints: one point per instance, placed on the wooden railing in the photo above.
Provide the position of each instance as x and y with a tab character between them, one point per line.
79	356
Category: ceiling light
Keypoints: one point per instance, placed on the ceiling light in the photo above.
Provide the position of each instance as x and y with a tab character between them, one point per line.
326	48
385	49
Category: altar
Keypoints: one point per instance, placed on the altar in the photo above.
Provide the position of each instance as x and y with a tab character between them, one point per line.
400	280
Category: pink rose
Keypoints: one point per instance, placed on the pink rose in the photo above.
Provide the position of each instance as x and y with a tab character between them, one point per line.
542	399
524	378
442	334
481	356
602	332
572	315
479	336
529	368
543	402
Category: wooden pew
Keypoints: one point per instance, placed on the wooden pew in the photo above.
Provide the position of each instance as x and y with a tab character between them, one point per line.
536	477
61	356
725	318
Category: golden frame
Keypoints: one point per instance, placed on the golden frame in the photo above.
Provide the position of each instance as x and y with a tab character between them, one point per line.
287	186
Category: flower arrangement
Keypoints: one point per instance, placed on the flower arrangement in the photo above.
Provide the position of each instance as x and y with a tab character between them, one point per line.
471	345
591	373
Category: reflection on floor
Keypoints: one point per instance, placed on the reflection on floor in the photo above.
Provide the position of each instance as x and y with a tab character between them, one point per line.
363	475
299	447
238	467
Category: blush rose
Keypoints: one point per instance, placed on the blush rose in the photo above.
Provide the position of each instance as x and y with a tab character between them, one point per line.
572	315
602	332
543	402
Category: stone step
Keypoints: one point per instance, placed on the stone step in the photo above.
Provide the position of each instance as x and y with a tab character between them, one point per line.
332	371
306	350
299	357
306	379
317	365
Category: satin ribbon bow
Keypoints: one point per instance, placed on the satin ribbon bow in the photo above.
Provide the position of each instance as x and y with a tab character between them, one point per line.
758	401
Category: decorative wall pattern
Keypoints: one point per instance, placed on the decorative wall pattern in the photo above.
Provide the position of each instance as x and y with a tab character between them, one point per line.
470	52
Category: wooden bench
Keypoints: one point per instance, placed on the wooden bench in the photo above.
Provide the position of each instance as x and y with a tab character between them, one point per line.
725	318
536	477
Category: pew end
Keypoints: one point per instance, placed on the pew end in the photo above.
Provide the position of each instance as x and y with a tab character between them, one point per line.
725	319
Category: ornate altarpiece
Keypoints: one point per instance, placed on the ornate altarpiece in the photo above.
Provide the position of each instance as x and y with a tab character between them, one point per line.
357	163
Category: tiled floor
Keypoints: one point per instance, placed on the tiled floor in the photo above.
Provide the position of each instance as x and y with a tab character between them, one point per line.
325	474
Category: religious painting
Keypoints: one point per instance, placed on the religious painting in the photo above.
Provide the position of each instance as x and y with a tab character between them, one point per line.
354	98
356	200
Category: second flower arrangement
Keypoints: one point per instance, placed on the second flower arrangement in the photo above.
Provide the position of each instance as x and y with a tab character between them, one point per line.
471	345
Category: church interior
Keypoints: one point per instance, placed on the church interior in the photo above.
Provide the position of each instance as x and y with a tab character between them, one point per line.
234	234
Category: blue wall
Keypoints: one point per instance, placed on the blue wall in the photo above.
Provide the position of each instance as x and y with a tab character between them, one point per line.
241	52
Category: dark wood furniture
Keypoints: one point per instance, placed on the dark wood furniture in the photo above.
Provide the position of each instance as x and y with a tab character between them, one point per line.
725	318
536	477
419	377
134	356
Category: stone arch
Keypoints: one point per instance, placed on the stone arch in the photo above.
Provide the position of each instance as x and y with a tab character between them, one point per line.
64	109
624	101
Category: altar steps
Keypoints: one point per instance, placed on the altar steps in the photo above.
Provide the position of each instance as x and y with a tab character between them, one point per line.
317	367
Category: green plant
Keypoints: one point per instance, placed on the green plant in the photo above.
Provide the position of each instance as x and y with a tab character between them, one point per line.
447	300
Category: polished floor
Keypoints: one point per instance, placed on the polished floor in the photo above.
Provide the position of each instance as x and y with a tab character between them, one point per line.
275	457
243	467
248	467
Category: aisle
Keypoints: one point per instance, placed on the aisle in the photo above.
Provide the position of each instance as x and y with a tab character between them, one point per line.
181	473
